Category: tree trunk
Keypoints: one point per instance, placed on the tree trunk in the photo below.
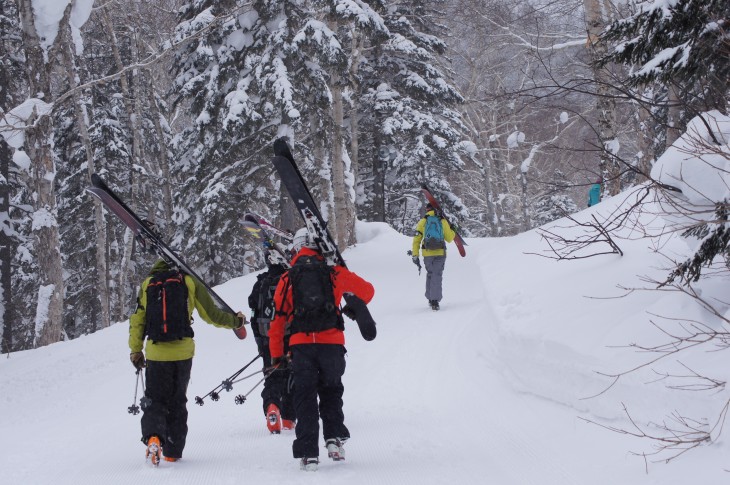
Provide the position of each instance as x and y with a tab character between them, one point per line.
124	287
99	226
6	247
605	105
674	116
166	182
39	147
344	215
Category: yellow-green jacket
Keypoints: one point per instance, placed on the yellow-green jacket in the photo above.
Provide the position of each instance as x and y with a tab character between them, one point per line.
183	349
449	236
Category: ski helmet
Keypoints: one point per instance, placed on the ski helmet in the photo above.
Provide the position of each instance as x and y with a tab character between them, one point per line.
302	239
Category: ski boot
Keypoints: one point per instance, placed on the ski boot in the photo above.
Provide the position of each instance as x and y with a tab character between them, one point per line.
309	464
170	459
288	423
273	419
335	449
154	450
434	304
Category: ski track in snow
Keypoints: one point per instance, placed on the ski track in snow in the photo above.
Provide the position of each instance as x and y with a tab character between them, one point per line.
437	398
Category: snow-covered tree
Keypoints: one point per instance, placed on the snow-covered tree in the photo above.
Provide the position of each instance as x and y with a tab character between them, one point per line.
11	90
254	73
409	110
680	42
554	203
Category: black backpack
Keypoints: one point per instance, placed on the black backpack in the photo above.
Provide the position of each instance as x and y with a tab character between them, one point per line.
264	310
313	297
166	315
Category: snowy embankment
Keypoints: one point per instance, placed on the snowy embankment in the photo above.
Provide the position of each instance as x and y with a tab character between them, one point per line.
491	389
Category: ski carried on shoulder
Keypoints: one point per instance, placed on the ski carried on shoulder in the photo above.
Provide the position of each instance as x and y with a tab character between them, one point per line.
269	227
292	179
458	240
146	237
295	184
259	231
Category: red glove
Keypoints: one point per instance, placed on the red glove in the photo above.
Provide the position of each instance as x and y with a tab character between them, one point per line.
241	330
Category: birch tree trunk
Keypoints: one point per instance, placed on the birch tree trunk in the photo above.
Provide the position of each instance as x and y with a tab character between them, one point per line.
123	282
39	147
99	226
605	105
674	112
166	182
344	214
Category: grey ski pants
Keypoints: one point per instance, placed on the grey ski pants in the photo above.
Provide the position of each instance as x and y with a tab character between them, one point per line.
434	276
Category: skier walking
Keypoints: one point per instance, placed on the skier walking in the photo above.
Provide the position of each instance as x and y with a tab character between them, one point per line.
432	234
166	300
594	193
307	301
276	395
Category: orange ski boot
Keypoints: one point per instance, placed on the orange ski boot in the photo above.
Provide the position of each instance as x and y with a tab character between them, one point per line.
154	450
273	419
287	424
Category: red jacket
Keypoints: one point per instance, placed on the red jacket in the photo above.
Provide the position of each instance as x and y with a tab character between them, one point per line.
343	281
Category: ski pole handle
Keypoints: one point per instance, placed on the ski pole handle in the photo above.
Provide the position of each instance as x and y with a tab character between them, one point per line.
415	260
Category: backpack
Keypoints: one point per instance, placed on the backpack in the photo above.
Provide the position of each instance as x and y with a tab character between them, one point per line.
166	315
433	236
264	310
313	297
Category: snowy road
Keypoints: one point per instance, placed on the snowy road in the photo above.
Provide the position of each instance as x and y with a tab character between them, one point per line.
438	398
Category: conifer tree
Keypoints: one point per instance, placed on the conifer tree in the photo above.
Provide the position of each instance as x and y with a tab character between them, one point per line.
11	68
409	105
678	41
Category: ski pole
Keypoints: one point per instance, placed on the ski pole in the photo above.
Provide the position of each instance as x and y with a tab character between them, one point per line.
241	398
145	401
248	376
226	384
134	409
416	261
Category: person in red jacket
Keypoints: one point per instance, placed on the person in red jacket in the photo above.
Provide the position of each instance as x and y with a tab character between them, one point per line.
307	301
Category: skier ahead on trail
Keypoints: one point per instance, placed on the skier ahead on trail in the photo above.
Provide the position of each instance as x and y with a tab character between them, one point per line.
594	193
278	400
165	304
307	300
432	234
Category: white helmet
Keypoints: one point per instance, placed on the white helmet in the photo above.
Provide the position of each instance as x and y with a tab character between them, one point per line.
302	239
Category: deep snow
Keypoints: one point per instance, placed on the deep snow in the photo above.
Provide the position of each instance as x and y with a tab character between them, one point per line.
491	389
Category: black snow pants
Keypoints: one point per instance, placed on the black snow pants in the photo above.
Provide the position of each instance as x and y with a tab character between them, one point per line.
318	371
167	415
278	386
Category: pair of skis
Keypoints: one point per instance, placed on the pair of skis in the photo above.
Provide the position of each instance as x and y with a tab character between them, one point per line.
458	240
260	230
147	237
295	184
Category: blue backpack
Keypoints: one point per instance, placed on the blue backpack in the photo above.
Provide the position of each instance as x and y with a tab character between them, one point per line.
433	236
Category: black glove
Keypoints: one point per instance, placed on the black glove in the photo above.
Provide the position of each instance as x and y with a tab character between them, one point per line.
348	312
138	361
280	362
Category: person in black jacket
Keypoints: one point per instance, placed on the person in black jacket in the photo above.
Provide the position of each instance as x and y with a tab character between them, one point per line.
277	394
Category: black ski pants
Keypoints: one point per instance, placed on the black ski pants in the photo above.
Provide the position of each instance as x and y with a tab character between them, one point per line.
278	386
167	415
318	371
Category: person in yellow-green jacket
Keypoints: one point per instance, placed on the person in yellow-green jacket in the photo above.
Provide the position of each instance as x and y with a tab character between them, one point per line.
165	304
432	234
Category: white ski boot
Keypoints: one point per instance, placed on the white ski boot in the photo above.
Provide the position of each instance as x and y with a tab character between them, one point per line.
335	449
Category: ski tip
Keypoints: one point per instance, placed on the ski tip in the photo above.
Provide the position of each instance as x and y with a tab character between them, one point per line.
281	149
